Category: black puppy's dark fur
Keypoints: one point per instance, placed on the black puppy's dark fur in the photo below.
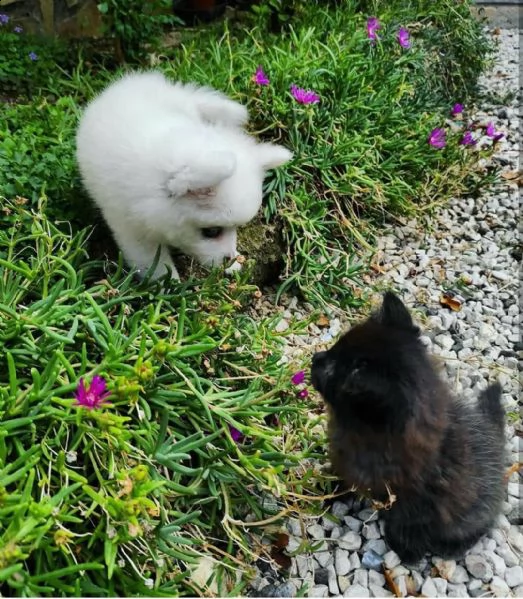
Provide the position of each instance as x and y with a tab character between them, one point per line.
393	424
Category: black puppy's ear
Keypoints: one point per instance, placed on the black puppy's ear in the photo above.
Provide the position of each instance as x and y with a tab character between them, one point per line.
393	313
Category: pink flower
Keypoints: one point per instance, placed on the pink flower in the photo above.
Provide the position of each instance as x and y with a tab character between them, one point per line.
235	434
298	377
467	139
404	38
93	396
260	78
372	26
304	96
457	109
437	138
491	132
303	394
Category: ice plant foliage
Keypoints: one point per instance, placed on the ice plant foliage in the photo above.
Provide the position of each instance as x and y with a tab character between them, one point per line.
304	96
259	77
298	377
457	109
372	27
467	139
404	38
437	138
93	396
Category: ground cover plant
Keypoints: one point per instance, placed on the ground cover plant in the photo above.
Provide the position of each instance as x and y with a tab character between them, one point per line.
192	424
203	427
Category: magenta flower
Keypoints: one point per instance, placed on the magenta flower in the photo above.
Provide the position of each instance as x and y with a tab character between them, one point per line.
437	138
33	56
404	38
298	377
4	19
235	434
303	394
372	26
491	132
304	96
457	109
93	396
467	139
260	78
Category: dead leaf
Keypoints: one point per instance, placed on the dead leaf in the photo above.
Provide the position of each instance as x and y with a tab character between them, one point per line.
126	486
277	551
323	321
515	176
393	587
452	300
513	469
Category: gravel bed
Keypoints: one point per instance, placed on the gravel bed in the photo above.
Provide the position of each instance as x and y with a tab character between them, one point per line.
472	246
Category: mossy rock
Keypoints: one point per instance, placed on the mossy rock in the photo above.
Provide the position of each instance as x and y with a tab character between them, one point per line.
259	241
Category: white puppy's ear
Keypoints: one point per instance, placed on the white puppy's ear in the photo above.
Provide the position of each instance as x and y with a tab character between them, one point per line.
202	172
272	155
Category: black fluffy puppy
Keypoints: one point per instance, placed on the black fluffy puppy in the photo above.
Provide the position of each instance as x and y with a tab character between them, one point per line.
393	424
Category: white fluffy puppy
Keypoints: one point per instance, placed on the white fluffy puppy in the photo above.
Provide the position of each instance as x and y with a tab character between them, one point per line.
169	164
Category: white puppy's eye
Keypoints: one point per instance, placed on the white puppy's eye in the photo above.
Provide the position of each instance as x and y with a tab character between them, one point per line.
211	232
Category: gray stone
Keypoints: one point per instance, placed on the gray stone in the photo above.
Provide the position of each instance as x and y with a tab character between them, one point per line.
428	589
479	567
316	531
372	560
361	577
333	583
368	515
497	562
286	589
371	531
499	587
509	557
417	582
319	591
376	578
350	541
354	560
343	583
399	571
293	544
353	523
304	565
324	558
514	576
294	527
459	575
441	585
356	590
457	590
339	509
445	568
376	545
321	576
377	591
401	583
341	562
391	559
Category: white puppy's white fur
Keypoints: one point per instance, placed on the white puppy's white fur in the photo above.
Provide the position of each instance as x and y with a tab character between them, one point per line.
165	160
